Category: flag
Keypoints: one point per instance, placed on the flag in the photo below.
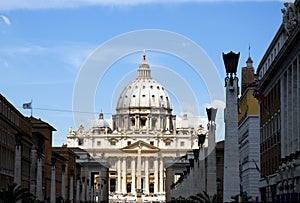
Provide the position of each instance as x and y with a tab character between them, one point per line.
258	94
27	105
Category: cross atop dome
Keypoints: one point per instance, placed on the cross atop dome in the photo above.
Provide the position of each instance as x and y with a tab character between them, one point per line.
144	58
144	71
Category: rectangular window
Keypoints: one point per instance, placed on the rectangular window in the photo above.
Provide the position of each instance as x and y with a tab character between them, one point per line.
151	142
151	164
98	143
128	142
113	143
128	165
182	144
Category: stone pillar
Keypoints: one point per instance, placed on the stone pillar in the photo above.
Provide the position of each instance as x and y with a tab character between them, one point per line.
63	181
202	170
146	190
18	160
133	187
211	161
150	122
138	172
231	146
161	176
174	124
71	194
155	176
124	176
92	194
53	183
119	176
99	187
88	189
83	190
78	188
39	179
33	165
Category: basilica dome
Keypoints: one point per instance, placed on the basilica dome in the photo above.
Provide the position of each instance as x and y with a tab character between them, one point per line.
144	105
100	122
144	91
100	125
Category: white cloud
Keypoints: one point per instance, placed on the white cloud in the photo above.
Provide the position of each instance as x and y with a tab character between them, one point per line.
49	4
5	19
73	54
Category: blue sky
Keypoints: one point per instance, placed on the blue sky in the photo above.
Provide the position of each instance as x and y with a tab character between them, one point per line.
44	47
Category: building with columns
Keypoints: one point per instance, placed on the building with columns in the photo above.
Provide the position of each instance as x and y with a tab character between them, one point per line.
201	169
142	140
15	146
279	96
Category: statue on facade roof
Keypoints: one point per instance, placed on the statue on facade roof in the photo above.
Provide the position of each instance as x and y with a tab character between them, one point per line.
290	17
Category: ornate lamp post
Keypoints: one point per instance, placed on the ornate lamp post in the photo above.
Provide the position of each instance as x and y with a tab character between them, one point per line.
231	148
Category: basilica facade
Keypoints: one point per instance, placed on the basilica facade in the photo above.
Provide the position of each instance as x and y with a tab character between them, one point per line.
141	142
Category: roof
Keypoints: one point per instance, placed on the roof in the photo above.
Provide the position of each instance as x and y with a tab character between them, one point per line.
38	123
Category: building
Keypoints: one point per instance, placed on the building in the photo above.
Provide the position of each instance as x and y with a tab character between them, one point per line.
188	176
91	171
41	154
143	139
278	94
28	158
248	130
71	171
15	146
199	170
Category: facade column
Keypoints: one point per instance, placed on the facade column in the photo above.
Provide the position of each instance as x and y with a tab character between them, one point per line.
92	194
99	187
83	189
71	194
78	188
138	172
33	165
53	183
88	189
146	190
119	175
174	124
155	176
124	176
161	176
63	183
150	122
18	160
133	188
39	179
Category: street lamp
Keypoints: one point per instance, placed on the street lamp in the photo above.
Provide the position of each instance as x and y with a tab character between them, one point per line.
211	114
231	62
201	139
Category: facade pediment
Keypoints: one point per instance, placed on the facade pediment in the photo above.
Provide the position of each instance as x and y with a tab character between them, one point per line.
144	146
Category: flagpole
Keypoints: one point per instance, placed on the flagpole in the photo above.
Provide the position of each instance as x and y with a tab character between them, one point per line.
31	107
